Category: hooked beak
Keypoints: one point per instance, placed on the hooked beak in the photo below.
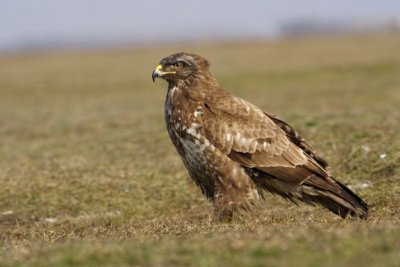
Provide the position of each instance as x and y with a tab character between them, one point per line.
157	72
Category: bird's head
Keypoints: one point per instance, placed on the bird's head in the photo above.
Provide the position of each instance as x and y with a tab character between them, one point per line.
180	66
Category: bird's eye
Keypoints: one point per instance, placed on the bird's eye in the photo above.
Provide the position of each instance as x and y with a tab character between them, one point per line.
178	64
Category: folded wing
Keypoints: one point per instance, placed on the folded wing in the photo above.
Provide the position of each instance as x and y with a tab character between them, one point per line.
275	156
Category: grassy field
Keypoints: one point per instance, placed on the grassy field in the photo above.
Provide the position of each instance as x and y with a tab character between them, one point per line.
89	177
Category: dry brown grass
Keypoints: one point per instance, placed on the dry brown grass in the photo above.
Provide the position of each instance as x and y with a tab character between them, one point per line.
89	177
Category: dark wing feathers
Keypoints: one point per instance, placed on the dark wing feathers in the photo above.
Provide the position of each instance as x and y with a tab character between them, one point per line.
275	155
297	139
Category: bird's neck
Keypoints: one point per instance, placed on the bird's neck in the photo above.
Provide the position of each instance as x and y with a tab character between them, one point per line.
195	85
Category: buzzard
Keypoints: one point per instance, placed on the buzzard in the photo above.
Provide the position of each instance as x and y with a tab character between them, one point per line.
234	151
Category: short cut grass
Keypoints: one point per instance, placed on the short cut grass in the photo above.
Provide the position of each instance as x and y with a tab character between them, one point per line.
89	177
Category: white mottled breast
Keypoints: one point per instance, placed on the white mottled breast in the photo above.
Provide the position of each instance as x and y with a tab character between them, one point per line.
193	156
183	124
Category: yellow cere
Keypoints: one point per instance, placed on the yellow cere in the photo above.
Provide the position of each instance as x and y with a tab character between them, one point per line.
159	67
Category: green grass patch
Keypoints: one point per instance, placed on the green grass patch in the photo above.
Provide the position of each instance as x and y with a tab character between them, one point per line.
89	177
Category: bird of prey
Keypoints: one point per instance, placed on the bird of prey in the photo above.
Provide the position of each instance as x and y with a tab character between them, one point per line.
234	151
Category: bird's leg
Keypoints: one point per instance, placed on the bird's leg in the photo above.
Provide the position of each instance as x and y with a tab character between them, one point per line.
223	212
231	199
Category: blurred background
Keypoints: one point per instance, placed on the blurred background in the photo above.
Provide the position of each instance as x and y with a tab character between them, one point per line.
87	169
66	24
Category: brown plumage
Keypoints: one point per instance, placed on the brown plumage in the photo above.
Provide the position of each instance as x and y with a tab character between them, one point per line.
234	151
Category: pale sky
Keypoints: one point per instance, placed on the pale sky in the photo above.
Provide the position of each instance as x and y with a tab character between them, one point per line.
23	22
